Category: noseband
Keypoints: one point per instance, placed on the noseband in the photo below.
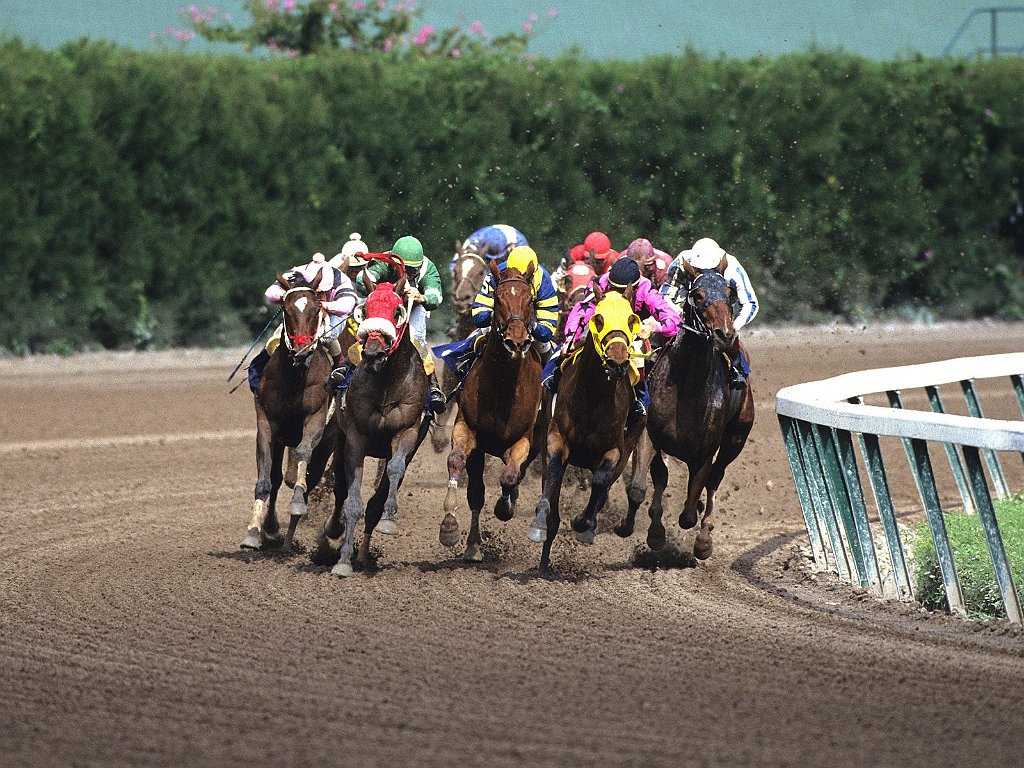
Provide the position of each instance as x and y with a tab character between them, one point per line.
503	328
302	341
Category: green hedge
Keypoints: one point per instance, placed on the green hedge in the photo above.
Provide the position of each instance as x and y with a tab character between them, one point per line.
148	198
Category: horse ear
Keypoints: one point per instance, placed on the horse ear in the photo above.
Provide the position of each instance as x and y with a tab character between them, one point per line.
400	285
319	276
529	271
599	323
598	292
367	280
492	264
634	324
282	282
400	315
629	293
720	269
690	270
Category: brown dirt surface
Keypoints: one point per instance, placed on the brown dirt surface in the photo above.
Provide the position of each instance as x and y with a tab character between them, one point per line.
133	631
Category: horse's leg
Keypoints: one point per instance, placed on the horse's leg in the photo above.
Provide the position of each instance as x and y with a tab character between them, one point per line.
318	461
545	523
636	490
515	461
585	523
254	534
403	446
353	507
659	476
463	443
312	431
694	489
733	440
329	540
475	499
271	528
374	512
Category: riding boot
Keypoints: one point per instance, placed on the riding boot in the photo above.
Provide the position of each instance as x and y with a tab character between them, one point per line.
640	404
340	375
255	371
739	368
551	374
436	401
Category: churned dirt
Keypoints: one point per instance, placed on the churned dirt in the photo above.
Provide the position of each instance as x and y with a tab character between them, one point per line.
133	631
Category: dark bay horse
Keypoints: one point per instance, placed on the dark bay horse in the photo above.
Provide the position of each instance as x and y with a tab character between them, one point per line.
694	414
292	407
587	428
470	270
498	409
384	417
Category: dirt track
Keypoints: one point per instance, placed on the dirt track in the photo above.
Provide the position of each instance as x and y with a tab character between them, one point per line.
134	632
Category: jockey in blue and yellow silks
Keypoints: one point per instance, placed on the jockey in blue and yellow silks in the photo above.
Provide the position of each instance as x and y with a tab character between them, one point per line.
460	354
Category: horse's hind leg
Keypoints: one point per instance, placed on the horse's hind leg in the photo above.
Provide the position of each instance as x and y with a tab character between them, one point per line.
545	523
475	498
262	492
735	438
515	461
329	540
636	490
585	524
353	507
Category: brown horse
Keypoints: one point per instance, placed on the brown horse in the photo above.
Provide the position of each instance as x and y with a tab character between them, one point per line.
695	416
384	417
291	411
468	276
588	427
572	289
498	408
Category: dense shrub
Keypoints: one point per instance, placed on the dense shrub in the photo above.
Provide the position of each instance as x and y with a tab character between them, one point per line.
148	198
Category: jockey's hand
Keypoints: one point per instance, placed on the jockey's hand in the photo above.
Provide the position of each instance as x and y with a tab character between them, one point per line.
647	327
414	294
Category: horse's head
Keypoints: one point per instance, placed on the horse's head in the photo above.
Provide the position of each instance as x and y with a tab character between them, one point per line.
381	320
512	318
575	284
613	327
302	316
708	303
468	276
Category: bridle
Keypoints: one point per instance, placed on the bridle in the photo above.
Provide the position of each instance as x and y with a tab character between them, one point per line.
694	313
462	278
502	329
299	343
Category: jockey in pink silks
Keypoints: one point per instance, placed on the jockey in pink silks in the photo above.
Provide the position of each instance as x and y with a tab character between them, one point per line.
656	313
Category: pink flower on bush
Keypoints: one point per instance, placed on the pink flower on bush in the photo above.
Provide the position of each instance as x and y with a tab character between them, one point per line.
423	35
333	7
527	26
456	53
552	12
359	5
289	5
534	17
388	44
271	5
476	28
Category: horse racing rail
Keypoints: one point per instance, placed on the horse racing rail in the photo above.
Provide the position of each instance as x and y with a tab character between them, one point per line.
818	420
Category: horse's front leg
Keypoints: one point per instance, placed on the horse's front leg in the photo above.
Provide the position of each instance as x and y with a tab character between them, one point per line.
636	490
261	506
694	490
585	523
463	442
353	506
312	431
515	459
544	527
403	446
475	498
659	476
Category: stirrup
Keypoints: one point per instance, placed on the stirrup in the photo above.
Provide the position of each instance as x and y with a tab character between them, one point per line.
436	401
739	381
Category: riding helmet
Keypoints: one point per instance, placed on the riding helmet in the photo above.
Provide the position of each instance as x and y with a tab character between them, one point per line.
409	250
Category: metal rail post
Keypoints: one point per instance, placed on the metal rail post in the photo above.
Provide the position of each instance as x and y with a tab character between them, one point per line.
803	491
823	502
994	468
954	458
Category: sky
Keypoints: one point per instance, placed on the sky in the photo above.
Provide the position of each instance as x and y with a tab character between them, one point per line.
880	29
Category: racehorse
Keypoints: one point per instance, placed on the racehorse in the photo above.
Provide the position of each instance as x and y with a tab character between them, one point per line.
498	408
468	273
292	407
572	290
384	417
588	426
695	416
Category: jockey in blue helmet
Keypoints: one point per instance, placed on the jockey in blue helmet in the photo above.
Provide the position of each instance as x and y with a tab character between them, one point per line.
494	241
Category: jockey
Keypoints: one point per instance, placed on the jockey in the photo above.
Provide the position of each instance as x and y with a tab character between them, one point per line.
657	316
423	289
545	300
459	355
653	262
707	254
495	241
598	248
350	260
337	301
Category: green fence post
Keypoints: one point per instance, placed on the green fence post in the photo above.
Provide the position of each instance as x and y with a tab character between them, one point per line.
819	491
987	513
855	491
1018	387
994	468
954	458
886	513
825	442
930	497
803	491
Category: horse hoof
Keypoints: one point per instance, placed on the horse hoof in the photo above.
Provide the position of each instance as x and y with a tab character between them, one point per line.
702	551
342	570
387	527
449	533
623	531
687	522
503	510
585	537
537	534
656	538
473	555
251	540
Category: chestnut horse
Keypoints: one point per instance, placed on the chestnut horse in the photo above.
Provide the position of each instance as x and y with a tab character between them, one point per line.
468	275
695	416
588	427
291	411
498	408
384	416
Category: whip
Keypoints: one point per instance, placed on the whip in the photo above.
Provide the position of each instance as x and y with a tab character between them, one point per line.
254	343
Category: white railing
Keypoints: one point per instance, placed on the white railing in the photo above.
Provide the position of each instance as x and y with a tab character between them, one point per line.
818	421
